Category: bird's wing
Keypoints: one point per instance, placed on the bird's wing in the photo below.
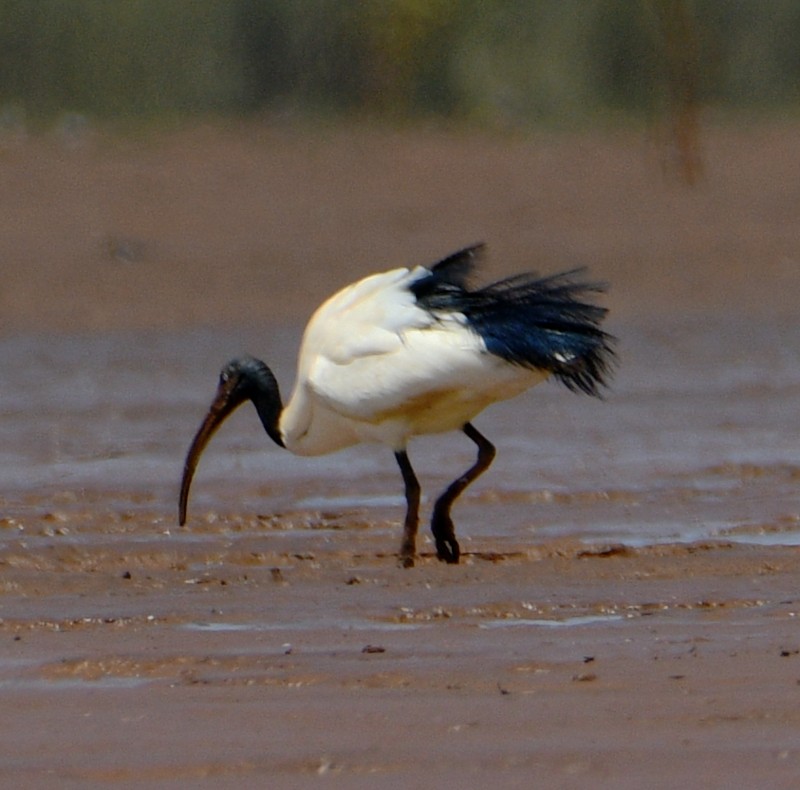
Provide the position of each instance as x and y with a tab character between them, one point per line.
370	317
351	360
375	353
437	379
365	319
371	346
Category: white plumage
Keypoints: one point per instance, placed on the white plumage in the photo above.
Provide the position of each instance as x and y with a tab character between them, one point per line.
376	367
417	351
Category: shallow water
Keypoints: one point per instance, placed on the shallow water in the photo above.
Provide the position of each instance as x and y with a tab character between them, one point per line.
696	440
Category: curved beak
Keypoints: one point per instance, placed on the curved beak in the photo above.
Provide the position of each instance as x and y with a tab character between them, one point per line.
224	403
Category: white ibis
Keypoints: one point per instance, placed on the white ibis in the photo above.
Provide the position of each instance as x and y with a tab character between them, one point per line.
418	351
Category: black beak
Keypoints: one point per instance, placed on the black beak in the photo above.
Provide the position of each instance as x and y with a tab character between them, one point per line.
225	402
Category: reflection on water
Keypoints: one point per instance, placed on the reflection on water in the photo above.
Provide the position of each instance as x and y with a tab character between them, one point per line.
310	624
568	622
73	683
698	440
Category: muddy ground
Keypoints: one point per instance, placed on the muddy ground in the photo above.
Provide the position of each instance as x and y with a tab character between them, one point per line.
626	611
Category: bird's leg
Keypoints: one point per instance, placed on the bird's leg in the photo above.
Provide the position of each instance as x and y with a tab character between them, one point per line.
447	548
409	544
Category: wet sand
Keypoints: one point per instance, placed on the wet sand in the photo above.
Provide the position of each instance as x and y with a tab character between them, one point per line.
626	611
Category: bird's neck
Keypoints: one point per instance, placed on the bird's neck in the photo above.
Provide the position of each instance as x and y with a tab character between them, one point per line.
268	403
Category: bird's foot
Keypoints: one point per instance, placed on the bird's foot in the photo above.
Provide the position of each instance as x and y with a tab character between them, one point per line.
405	560
448	550
408	552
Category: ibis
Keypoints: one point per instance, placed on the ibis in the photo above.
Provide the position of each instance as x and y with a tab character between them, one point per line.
416	351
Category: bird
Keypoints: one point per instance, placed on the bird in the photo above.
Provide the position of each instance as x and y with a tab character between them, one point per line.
414	351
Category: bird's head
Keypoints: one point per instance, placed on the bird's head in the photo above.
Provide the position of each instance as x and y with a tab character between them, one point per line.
242	379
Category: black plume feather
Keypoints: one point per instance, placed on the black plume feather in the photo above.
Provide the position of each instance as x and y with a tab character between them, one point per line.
545	323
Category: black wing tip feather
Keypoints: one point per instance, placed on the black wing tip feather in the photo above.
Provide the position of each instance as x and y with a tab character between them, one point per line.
592	373
448	278
456	268
565	335
547	323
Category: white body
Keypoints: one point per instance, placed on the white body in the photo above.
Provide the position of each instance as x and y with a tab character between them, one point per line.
375	367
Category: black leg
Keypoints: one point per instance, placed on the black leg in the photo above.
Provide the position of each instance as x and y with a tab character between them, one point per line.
447	548
409	546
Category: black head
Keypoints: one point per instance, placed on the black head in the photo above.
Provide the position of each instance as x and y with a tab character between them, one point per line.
242	379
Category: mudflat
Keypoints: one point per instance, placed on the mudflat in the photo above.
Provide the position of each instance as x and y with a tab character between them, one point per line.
625	613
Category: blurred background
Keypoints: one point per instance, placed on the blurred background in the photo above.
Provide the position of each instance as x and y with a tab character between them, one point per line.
554	62
182	161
